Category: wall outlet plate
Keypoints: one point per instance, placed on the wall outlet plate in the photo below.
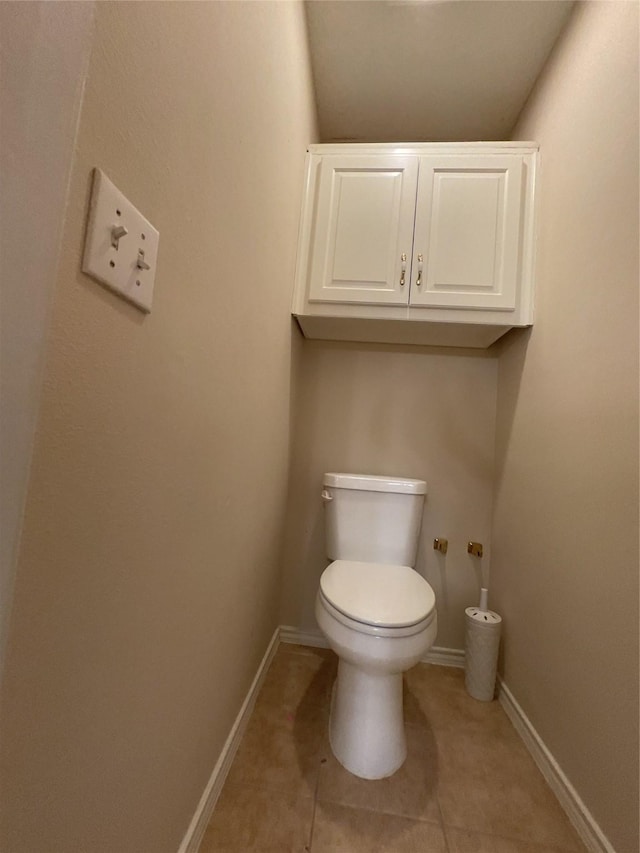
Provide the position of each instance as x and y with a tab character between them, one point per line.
125	264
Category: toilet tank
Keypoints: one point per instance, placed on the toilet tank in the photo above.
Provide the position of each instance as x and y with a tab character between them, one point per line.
373	519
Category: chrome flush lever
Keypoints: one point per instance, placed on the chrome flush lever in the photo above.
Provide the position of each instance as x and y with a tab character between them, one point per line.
419	279
403	268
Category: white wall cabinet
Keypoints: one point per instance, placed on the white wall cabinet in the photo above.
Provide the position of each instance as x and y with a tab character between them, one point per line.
426	244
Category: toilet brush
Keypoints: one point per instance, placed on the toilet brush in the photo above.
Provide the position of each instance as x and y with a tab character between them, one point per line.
483	607
481	655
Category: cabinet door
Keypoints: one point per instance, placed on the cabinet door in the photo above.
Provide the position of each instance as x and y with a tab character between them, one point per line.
363	226
468	220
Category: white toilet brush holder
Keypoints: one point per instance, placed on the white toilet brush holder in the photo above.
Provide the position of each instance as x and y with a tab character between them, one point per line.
482	644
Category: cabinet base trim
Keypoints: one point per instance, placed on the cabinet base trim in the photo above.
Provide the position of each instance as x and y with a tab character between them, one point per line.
400	332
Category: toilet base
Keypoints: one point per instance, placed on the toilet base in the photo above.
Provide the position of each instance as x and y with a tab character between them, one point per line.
366	728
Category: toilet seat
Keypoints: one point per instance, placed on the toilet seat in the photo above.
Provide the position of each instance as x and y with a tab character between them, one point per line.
377	598
374	630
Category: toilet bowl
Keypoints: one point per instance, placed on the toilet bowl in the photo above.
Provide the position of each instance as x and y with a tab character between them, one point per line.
377	637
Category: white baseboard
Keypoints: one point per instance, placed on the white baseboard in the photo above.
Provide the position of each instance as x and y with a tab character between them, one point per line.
436	655
579	815
440	656
295	637
193	836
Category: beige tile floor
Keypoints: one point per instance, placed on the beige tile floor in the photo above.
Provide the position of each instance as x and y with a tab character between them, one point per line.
468	784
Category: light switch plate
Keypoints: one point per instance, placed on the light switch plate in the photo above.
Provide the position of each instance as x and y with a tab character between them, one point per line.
120	263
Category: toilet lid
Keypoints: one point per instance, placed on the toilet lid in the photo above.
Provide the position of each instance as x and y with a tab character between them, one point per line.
377	594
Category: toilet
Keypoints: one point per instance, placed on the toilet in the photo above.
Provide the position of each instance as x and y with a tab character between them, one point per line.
376	612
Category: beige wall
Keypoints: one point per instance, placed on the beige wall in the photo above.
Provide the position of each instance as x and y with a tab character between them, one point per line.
148	579
565	534
410	412
44	52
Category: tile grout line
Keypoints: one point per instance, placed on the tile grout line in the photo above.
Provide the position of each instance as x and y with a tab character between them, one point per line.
442	824
540	846
489	835
315	804
386	813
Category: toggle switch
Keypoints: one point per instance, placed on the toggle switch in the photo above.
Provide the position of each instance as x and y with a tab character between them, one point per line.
117	231
141	263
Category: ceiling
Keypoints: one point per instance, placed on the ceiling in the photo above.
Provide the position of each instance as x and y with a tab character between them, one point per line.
427	70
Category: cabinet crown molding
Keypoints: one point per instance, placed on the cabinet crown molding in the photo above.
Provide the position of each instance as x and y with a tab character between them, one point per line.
525	146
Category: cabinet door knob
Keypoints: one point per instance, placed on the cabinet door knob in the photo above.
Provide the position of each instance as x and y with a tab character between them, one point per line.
403	268
419	279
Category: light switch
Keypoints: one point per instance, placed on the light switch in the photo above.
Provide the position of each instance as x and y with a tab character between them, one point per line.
121	248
